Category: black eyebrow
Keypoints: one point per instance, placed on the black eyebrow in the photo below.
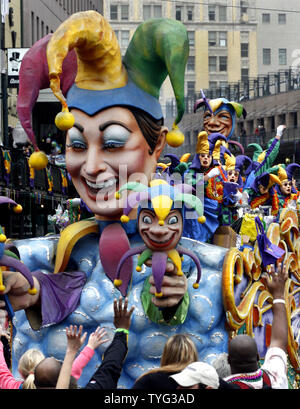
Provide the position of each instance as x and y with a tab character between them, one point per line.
79	127
108	123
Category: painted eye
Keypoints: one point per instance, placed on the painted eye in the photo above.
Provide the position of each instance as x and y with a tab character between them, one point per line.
173	220
147	220
115	136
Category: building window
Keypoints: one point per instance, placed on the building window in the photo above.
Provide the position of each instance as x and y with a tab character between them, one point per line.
244	7
157	13
212	38
213	84
223	63
266	18
190	13
124	38
191	64
222	13
178	13
282	18
124	12
119	11
212	64
282	56
223	85
190	88
113	12
151	11
266	56
245	74
223	39
211	13
191	36
244	50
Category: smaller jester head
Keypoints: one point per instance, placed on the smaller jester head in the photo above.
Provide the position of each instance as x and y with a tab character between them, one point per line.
161	215
161	198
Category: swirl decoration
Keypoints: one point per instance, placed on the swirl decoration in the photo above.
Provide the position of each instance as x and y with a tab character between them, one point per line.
246	300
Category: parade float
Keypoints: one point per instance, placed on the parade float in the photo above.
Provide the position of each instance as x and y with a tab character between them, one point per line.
77	270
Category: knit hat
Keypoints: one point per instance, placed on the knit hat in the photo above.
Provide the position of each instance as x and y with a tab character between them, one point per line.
85	64
197	372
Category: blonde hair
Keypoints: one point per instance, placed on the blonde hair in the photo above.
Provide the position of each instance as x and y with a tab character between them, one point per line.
179	351
27	363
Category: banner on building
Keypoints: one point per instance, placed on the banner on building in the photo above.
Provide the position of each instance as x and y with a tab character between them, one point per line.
14	59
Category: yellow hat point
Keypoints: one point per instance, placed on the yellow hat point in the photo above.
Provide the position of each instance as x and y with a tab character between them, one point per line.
2	238
180	273
32	291
118	282
138	268
175	137
196	285
117	195
2	288
182	258
124	218
38	160
161	222
64	120
158	295
18	208
201	219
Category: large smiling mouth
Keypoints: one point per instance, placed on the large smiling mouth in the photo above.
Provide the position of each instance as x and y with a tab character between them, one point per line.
105	187
209	130
160	243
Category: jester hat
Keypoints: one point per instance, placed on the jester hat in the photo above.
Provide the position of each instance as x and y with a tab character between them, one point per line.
287	173
259	153
206	143
215	105
241	163
266	179
82	61
162	197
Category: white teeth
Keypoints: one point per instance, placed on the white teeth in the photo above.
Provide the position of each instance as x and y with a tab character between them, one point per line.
102	185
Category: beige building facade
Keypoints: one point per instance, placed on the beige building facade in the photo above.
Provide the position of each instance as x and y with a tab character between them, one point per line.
222	37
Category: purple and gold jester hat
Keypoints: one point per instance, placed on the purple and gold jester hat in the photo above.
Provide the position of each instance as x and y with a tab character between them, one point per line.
241	163
206	144
161	198
235	109
82	64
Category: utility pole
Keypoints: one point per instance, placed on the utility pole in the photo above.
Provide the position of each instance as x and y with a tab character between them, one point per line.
4	13
5	138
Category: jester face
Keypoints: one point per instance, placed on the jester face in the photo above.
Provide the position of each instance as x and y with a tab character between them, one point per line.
286	187
205	160
263	189
233	176
160	237
219	121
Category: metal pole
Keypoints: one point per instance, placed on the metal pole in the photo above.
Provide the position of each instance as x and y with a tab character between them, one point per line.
4	91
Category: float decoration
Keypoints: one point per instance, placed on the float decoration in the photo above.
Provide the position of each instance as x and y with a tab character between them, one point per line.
162	198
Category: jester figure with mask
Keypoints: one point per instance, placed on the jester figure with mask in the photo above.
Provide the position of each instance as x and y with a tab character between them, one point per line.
113	121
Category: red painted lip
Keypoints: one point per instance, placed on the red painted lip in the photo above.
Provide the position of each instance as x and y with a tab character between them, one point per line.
159	244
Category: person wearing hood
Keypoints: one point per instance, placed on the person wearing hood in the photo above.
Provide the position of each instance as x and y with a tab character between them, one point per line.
263	191
233	187
285	193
